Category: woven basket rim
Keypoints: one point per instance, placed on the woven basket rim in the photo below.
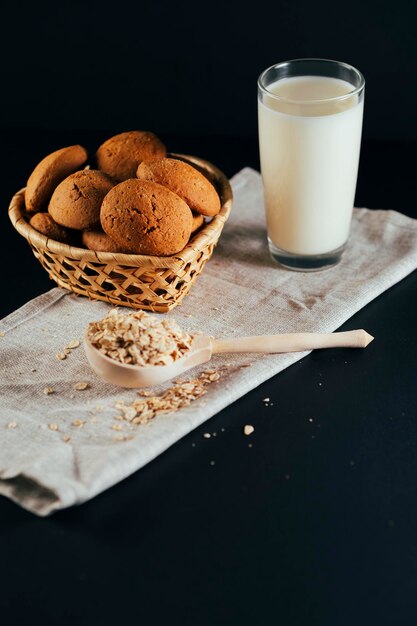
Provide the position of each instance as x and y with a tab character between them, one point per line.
206	235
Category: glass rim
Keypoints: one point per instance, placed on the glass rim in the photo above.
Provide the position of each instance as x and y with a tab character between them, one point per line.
355	90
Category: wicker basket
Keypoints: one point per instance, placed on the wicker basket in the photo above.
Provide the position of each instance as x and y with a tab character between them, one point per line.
143	282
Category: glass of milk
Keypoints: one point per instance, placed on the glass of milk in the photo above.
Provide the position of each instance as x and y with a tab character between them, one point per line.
310	123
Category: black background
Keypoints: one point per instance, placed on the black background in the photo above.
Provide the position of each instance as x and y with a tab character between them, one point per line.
316	523
191	67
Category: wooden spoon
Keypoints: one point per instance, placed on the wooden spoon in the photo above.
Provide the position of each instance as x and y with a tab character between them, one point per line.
204	347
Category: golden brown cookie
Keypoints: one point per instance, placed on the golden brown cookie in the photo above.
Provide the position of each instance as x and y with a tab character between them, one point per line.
76	201
184	180
146	218
49	173
99	241
198	221
120	155
43	223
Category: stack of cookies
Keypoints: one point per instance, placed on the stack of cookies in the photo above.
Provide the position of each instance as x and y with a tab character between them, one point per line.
136	200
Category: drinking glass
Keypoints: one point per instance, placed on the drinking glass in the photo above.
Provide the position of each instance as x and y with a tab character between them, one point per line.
310	123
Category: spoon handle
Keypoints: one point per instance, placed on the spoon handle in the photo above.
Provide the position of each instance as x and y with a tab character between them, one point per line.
293	342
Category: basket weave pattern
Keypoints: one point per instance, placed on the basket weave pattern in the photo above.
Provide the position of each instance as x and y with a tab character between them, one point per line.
138	281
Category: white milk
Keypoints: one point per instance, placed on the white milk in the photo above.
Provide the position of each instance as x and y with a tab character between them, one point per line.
309	161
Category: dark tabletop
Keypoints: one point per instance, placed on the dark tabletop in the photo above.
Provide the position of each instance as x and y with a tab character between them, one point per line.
314	524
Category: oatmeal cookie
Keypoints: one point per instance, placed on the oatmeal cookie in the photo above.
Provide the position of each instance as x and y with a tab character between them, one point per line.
146	218
49	173
76	201
120	155
184	180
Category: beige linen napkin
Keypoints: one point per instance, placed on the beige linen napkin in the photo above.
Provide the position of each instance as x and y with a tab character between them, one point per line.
240	292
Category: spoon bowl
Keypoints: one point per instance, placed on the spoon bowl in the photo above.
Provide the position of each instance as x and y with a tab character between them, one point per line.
136	376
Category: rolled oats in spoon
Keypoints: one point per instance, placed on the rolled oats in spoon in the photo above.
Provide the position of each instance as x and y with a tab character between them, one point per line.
139	338
140	350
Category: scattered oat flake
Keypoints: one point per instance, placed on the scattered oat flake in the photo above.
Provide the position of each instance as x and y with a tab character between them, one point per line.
12	425
53	426
148	405
206	435
66	438
117	427
130	412
73	344
81	386
61	356
78	423
248	429
2	334
120	437
48	390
